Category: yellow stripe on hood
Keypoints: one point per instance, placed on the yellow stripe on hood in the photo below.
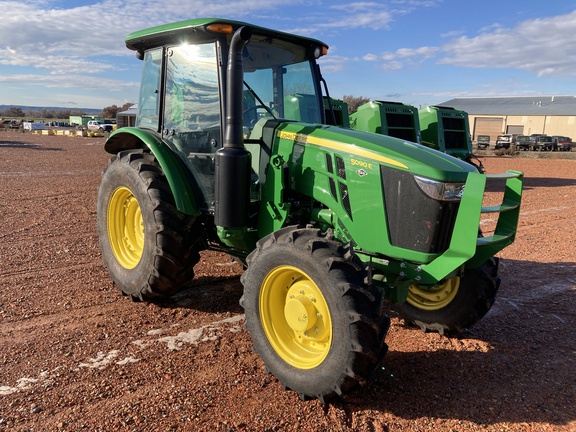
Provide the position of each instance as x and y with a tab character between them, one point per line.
338	146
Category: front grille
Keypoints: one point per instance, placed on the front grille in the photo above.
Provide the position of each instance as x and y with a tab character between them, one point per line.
416	221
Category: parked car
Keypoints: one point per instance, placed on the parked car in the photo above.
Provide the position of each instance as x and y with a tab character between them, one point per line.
523	142
533	139
483	142
504	141
562	143
16	124
542	143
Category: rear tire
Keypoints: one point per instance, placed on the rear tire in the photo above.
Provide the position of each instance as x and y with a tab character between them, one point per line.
457	304
148	246
318	328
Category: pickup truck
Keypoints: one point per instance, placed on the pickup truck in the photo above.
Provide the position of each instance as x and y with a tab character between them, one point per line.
504	141
97	125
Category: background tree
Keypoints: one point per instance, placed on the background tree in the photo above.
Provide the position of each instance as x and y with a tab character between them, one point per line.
13	112
63	114
354	102
112	110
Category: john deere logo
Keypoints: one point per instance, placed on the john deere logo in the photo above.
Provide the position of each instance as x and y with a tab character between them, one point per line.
361	172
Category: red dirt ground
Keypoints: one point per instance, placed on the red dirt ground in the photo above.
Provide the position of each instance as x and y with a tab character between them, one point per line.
76	355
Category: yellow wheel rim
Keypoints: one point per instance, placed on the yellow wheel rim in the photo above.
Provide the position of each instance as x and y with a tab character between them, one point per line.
434	298
295	317
125	228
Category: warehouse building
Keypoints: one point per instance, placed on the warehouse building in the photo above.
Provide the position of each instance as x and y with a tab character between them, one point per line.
128	117
550	115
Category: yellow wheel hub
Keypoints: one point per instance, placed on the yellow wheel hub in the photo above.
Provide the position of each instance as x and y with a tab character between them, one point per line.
435	298
295	317
125	227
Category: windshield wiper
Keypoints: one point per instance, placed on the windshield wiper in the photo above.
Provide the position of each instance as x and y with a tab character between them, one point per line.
260	101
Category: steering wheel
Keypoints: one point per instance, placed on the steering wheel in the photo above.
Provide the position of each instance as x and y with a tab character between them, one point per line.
257	116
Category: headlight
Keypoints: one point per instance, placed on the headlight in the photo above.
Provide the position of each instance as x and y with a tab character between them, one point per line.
440	191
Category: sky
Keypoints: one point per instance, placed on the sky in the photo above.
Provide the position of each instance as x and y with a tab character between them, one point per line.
63	53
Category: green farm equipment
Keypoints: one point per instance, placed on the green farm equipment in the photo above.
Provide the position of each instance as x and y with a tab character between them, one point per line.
232	151
446	129
442	128
387	118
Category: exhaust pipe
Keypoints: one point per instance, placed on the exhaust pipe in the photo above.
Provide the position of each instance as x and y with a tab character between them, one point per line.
233	161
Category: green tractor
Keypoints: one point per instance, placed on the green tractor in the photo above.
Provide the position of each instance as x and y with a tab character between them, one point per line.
232	151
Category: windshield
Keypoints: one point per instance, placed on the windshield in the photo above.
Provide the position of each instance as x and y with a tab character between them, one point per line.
279	82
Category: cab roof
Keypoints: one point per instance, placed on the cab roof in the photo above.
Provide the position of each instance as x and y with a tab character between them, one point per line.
197	30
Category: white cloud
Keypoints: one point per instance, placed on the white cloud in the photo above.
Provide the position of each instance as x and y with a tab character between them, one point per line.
358	15
370	57
43	43
334	63
69	81
452	34
392	66
56	64
38	27
541	46
396	60
544	47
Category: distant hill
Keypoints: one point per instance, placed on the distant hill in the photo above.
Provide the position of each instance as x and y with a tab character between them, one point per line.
38	108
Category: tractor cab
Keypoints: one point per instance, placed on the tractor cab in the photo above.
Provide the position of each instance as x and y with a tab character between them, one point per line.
280	81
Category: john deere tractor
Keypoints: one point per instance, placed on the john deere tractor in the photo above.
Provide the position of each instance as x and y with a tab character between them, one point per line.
232	152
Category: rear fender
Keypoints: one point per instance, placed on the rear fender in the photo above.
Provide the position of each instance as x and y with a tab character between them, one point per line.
128	138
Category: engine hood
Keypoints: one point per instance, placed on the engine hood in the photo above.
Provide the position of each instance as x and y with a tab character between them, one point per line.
369	147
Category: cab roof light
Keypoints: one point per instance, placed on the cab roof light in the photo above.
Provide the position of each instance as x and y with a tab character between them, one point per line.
320	51
220	28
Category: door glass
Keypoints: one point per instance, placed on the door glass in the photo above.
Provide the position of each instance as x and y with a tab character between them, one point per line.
192	111
147	114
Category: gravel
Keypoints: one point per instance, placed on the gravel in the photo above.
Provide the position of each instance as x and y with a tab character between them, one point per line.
76	355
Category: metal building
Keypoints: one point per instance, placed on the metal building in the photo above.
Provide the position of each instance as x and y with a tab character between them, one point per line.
550	115
127	118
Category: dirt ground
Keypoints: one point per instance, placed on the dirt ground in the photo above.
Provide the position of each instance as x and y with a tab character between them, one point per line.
76	355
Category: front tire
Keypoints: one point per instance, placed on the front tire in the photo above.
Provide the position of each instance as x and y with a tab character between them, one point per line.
318	328
456	304
149	248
